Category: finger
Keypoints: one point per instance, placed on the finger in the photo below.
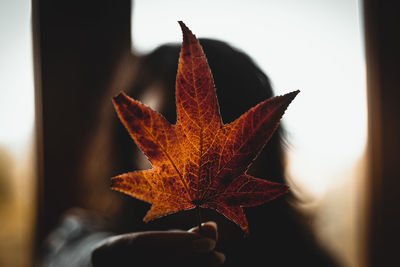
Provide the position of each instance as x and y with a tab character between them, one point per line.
208	229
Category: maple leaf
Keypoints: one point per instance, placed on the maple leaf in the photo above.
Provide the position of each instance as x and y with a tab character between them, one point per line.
199	161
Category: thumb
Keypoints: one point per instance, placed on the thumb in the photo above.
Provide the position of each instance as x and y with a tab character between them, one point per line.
208	229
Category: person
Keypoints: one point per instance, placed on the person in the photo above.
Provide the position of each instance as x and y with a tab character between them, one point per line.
279	235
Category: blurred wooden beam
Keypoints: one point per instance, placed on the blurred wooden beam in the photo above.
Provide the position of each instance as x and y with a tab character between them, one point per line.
76	47
382	36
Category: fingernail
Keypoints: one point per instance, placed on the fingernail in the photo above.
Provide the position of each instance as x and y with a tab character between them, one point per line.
203	245
221	257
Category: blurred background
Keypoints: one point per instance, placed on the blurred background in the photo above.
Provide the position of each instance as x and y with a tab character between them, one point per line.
59	58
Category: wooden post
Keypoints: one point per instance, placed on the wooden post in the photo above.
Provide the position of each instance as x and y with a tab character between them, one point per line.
76	47
382	36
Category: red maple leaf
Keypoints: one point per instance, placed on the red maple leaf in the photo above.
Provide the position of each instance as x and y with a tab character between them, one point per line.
199	161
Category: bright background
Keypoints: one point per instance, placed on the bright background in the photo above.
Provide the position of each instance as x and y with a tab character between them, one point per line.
312	45
17	183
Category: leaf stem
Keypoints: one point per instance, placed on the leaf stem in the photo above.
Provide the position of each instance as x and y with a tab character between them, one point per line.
198	215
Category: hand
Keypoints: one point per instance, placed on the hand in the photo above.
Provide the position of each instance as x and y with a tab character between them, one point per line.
168	248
